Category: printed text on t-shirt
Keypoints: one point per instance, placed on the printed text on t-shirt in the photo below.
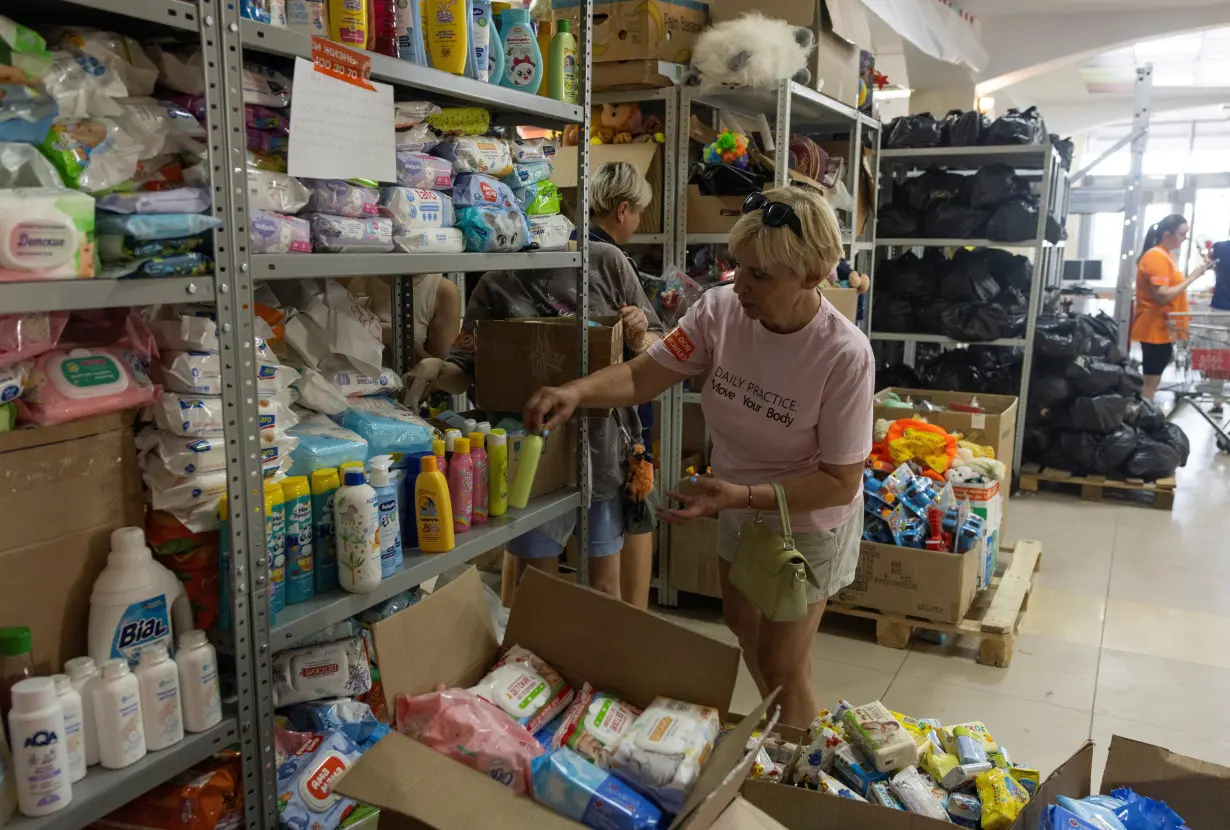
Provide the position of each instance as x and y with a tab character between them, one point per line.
754	397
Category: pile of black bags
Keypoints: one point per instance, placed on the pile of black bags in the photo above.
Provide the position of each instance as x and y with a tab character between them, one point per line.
993	203
974	296
1085	412
969	129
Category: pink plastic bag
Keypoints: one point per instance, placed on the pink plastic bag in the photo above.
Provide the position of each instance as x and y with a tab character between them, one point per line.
466	728
71	384
24	336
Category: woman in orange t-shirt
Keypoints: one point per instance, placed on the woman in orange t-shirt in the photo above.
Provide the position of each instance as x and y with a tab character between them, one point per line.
1160	290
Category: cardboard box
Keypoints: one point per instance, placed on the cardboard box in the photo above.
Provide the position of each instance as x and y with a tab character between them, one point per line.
646	157
985	501
844	300
649	74
921	583
588	637
712	214
63	489
1198	791
637	30
515	358
557	465
995	427
694	559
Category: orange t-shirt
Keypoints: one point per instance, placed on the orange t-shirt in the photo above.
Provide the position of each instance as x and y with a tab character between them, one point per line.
1150	323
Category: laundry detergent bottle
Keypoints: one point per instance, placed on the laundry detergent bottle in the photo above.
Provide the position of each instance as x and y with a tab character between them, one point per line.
136	601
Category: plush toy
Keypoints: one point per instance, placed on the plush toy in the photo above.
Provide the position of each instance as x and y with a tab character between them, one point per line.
729	148
572	135
622	118
751	51
638	514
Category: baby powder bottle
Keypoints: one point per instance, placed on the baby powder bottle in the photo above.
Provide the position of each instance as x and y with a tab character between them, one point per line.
461	485
522	58
275	545
134	602
74	732
16	660
497	472
324	545
40	752
527	468
83	672
161	713
117	711
478	459
198	682
433	512
387	515
438	449
300	581
357	524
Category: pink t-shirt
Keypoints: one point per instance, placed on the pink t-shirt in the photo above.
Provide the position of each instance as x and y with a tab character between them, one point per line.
778	404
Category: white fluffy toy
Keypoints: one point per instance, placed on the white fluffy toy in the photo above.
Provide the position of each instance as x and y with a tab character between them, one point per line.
751	51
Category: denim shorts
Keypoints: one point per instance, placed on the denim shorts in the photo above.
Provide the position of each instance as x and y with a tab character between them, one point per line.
606	532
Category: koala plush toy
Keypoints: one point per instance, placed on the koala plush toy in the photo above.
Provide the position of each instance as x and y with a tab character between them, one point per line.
751	51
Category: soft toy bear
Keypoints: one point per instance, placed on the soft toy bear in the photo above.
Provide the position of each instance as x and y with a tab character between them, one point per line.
751	51
623	119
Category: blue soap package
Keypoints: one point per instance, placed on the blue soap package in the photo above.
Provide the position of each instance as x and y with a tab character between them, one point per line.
147	227
349	717
573	787
323	444
472	189
493	229
388	428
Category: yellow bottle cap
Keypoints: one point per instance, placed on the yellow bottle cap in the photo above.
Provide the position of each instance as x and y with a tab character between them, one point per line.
476	440
461	446
437	446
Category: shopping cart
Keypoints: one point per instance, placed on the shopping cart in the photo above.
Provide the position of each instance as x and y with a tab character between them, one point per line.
1202	358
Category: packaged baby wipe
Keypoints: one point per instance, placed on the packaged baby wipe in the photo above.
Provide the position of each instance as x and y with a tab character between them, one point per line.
423	171
965	809
200	373
476	154
819	755
277	192
180	456
356	383
831	786
338	669
1002	799
345	235
527	174
113	249
493	229
573	787
539	198
550	233
424	241
533	149
306	781
341	198
853	765
522	685
881	792
67	385
877	731
202	415
410	207
594	723
46	234
195	264
276	233
664	751
480	189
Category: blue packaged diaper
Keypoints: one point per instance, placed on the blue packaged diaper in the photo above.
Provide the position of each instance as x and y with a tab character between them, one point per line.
480	189
527	174
148	227
493	229
388	428
573	787
324	444
306	779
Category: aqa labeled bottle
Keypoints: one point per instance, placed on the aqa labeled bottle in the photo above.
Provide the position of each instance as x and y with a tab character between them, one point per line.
40	749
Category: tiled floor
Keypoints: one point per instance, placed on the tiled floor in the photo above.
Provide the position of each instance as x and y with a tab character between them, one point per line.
1128	631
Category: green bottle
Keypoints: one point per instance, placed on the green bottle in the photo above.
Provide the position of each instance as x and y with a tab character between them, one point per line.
565	76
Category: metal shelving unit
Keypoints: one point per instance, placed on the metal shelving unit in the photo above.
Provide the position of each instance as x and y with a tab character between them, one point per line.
1038	164
298	266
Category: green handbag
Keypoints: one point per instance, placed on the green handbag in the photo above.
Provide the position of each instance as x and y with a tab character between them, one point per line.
769	571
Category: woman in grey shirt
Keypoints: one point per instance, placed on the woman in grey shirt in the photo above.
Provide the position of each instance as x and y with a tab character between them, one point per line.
613	289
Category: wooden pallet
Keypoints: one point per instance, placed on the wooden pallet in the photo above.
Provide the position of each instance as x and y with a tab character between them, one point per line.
1160	493
994	618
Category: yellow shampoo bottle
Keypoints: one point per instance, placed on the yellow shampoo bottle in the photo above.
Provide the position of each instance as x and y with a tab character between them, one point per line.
433	512
497	472
527	468
348	22
448	35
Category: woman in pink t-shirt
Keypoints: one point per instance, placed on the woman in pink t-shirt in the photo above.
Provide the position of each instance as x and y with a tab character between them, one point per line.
788	400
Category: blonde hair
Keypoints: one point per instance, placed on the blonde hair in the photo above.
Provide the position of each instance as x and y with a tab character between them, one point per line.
615	182
817	253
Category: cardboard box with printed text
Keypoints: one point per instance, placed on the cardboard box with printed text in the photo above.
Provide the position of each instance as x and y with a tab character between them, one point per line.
640	29
921	583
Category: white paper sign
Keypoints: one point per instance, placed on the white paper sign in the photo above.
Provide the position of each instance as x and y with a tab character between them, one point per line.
339	130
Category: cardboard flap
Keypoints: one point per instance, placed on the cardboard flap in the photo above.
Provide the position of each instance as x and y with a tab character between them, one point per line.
796	12
1073	778
742	815
802	809
1197	790
403	776
564	166
446	638
849	21
591	637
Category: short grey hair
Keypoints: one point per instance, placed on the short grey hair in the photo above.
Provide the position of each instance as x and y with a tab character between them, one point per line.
615	182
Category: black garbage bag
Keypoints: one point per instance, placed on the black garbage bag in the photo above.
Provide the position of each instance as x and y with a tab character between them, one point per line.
907	276
950	220
964	129
726	180
1057	337
968	278
1114	448
1054	232
1010	269
931	315
909	131
1051	415
1091	376
1013	301
1065	147
1145	416
1046	390
899	375
1014	221
893	314
1099	413
1017	127
1151	460
899	222
1130	382
1173	436
1103	335
1036	442
935	185
993	184
1080	451
973	321
1016	325
953	372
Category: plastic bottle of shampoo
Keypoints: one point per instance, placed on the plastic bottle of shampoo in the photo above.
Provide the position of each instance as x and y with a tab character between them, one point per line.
382	33
432	508
447	31
409	31
40	752
386	511
478	460
565	80
440	449
136	602
324	545
357	525
544	30
300	552
461	485
527	468
161	713
497	472
197	664
117	711
348	22
74	728
275	545
495	55
522	58
481	37
83	672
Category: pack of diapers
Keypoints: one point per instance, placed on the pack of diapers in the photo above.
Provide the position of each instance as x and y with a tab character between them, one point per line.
527	174
493	229
277	233
174	200
425	241
423	171
532	149
573	787
538	199
472	189
522	685
187	456
306	780
264	86
411	207
324	444
200	373
112	249
46	234
341	198
664	751
277	192
476	154
387	426
153	226
203	415
346	235
68	385
550	233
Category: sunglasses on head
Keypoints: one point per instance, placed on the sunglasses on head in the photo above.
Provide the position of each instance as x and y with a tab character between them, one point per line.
776	214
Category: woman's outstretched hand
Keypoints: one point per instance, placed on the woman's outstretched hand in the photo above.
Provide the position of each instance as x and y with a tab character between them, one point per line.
549	407
708	497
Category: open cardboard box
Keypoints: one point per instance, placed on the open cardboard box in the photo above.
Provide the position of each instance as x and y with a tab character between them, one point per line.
930	584
588	637
1199	791
645	156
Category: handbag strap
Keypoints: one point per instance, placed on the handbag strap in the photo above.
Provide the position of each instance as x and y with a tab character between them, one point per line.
784	513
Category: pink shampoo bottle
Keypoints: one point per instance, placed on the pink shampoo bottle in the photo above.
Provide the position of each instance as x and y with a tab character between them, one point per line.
478	458
461	485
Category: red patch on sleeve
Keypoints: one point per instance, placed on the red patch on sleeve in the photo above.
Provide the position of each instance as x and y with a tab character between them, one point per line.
679	345
465	341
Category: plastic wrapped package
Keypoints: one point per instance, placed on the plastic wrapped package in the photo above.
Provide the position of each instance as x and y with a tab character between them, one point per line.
1017	127
522	685
414	208
339	669
276	233
420	170
427	241
194	264
573	787
932	186
532	149
267	141
539	198
187	328
180	456
356	383
26	336
200	373
874	728
176	200
68	385
1002	799
476	154
202	415
386	426
118	54
471	189
409	113
91	154
264	86
182	496
146	122
899	222
341	198
22	165
276	192
952	220
256	160
911	131
995	183
323	444
344	235
13	381
492	229
526	174
78	93
350	717
26	115
306	781
417	139
664	751
474	121
593	723
912	791
262	118
461	725
204	797
551	233
154	226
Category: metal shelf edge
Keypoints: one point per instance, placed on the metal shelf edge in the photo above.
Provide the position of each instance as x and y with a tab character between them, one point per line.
69	295
962	243
295	266
1008	342
177	14
1022	150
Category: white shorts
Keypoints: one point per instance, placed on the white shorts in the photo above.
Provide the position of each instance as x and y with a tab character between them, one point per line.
832	554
